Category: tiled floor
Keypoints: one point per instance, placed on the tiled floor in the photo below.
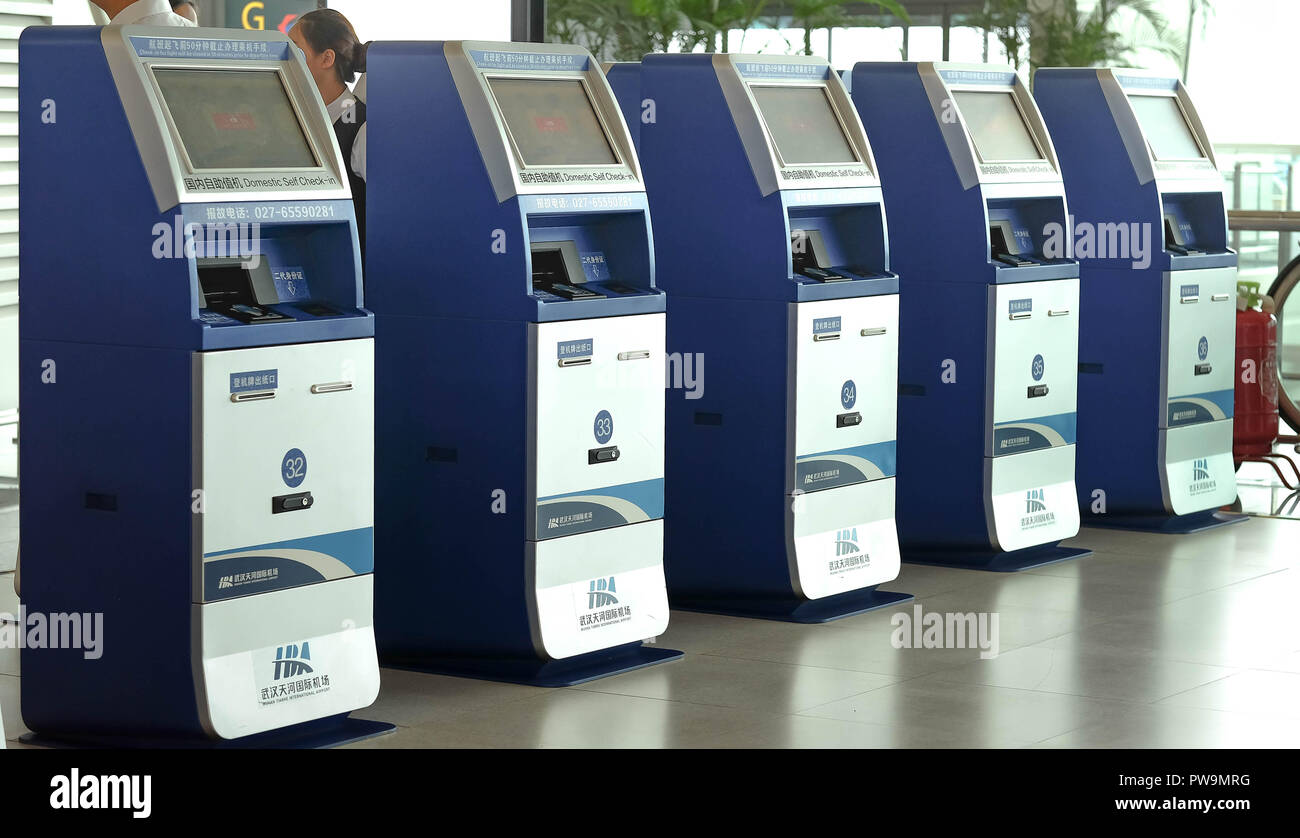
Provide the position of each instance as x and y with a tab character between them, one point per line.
1154	641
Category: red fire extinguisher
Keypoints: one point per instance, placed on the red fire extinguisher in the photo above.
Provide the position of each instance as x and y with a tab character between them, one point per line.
1255	427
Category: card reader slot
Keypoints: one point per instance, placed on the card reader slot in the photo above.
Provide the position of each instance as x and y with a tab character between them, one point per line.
240	398
291	503
596	456
1204	369
332	387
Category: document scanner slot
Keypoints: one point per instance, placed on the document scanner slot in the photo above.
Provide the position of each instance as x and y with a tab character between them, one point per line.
557	270
238	291
809	259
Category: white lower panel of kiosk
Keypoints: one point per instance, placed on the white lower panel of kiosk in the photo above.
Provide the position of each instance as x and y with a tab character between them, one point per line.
1032	498
843	539
598	589
1199	472
282	658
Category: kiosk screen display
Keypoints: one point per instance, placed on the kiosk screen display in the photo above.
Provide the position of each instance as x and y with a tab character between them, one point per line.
803	125
997	126
553	122
1166	128
235	119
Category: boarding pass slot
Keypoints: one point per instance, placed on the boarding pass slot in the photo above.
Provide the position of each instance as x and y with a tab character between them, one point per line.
1021	315
638	355
1220	298
874	333
332	387
825	337
574	362
240	398
1058	312
1189	299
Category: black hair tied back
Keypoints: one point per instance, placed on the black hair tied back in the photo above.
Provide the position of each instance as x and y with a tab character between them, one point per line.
327	29
359	57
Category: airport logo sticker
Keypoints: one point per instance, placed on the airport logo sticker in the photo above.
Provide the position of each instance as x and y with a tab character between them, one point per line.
255	381
572	350
1039	368
1202	482
289	672
252	577
293	468
849	554
603	427
849	394
599	604
1037	515
1203	348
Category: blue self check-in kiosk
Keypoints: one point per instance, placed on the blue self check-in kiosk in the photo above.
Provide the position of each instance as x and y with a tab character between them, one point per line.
990	321
770	235
521	367
1157	347
197	390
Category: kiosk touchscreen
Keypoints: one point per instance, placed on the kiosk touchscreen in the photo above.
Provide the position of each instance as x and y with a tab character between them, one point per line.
1157	349
521	367
989	354
197	390
770	235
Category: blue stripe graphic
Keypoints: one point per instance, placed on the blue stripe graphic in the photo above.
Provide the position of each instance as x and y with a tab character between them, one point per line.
883	455
1184	411
355	548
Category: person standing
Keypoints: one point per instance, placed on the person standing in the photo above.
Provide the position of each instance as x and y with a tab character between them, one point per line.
143	12
335	55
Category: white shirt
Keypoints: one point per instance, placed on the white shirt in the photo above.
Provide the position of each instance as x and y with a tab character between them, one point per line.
150	13
336	110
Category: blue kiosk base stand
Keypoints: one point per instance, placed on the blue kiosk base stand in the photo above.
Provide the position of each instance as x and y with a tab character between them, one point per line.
791	610
530	672
1008	562
1168	524
322	733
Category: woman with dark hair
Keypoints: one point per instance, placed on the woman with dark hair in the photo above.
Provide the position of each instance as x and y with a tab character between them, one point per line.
335	55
